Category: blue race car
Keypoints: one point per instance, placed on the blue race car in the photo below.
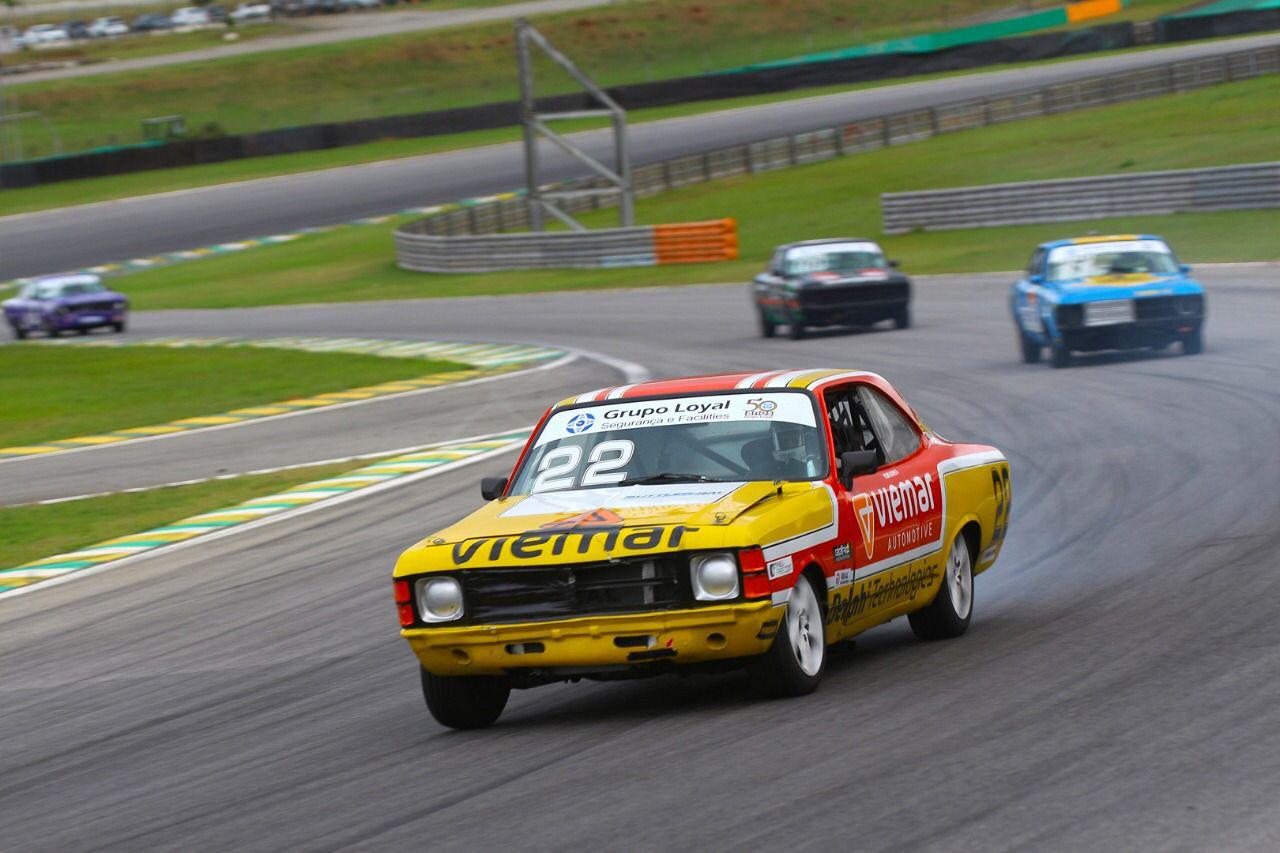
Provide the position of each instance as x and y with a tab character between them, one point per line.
65	303
1118	292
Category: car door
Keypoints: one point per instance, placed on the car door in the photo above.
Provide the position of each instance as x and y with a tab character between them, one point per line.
1028	299
895	513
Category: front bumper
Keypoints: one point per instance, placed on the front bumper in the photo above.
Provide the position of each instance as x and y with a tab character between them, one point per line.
599	643
1135	335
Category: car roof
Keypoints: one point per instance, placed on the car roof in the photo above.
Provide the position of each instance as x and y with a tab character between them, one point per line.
804	378
1099	238
826	240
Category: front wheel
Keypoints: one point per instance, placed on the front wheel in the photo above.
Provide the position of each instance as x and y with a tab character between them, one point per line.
794	664
1029	348
902	317
119	327
465	701
797	330
1059	355
949	613
1192	343
767	328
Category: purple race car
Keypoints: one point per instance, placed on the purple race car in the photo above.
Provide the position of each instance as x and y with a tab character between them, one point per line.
62	303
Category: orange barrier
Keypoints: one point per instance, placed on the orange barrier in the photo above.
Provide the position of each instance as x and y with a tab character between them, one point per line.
696	242
1087	9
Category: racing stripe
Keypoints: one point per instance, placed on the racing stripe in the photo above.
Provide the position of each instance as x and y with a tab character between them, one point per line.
782	380
619	392
751	380
590	396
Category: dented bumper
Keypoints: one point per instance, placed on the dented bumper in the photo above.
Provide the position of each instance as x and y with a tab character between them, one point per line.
675	637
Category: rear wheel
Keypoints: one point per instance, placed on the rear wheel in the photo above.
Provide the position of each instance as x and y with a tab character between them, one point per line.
19	332
1192	343
949	613
797	330
1031	350
767	328
794	664
1059	355
465	702
902	317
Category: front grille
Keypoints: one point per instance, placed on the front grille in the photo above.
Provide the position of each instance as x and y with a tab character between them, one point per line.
852	294
630	586
1155	308
93	307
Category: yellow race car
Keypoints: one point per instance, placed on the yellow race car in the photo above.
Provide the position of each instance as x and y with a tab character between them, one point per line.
702	524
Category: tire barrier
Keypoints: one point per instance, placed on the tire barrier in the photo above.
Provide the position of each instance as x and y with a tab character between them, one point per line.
681	243
1245	187
144	157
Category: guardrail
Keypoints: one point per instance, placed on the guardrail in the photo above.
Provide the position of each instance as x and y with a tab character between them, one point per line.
1245	187
646	245
508	212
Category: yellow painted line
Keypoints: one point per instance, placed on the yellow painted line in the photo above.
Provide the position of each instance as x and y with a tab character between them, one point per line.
149	430
93	439
27	451
350	395
209	420
310	401
20	580
259	410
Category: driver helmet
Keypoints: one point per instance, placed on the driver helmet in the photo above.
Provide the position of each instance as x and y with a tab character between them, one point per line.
788	442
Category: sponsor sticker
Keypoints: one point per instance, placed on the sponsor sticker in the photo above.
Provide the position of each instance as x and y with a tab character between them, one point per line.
780	567
841	553
842	577
536	544
623	498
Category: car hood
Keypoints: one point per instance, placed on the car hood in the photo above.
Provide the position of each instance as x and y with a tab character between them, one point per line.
89	298
590	525
1125	286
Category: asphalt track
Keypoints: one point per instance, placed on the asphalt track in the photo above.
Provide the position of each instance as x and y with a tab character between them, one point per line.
1117	691
69	238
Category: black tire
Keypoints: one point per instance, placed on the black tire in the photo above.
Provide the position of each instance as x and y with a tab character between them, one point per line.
1192	343
796	330
941	619
780	671
1059	355
53	331
20	333
119	327
1031	351
83	330
902	317
465	702
767	327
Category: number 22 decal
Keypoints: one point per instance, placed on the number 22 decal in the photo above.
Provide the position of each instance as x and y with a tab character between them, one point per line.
604	465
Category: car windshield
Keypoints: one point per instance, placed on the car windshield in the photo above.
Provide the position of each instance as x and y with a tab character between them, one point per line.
1085	260
724	438
53	290
833	257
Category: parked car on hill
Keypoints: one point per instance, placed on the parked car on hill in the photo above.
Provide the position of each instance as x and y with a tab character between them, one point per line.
39	34
105	27
833	282
151	23
190	16
251	12
76	29
1125	291
58	304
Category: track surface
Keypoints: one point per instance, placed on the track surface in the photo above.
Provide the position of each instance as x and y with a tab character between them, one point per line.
1116	691
69	238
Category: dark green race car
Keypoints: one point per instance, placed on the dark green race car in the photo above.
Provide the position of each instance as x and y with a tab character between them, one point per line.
834	282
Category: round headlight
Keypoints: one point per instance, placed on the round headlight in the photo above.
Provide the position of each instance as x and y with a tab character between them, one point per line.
439	599
715	577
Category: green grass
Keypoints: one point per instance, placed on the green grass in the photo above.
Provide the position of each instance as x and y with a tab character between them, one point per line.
1226	124
85	191
449	68
35	531
49	392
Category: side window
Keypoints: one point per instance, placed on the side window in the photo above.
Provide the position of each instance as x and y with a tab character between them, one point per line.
898	438
775	265
850	428
1033	265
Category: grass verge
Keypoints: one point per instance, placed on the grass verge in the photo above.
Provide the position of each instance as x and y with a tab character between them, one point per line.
52	392
407	73
1233	123
31	532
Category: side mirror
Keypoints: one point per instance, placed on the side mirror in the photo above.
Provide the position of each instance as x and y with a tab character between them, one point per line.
1036	279
893	263
1184	268
855	462
491	488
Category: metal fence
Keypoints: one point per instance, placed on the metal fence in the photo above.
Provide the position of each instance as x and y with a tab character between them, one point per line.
1250	186
509	213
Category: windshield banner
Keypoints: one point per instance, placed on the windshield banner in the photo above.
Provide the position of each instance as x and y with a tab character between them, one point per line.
663	496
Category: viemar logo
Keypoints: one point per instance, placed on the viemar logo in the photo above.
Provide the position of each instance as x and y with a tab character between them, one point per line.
865	512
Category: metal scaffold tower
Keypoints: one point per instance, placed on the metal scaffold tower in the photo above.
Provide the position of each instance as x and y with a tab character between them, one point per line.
544	202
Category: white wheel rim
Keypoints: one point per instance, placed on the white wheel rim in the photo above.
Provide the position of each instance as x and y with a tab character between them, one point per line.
804	627
960	578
